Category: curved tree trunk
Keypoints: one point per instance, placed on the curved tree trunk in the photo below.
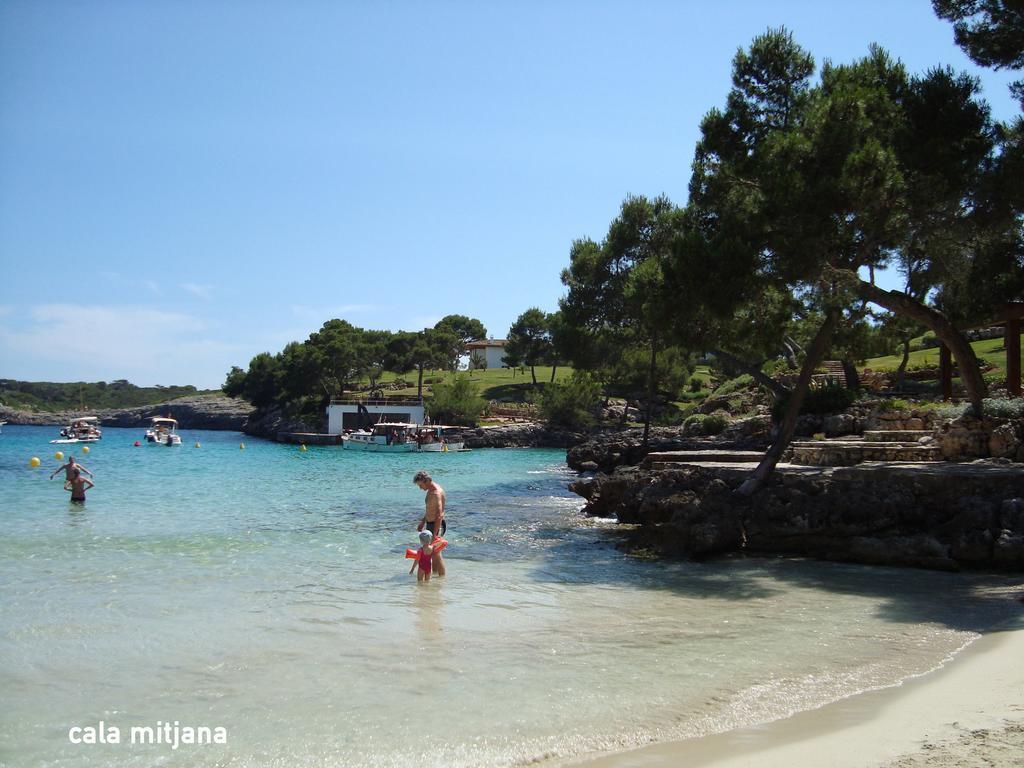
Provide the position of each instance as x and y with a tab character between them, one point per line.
790	349
852	377
651	374
766	381
902	304
815	353
901	371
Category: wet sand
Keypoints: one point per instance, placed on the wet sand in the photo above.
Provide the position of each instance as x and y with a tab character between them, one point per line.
968	713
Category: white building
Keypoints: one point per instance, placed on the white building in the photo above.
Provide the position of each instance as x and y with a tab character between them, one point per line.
491	350
355	414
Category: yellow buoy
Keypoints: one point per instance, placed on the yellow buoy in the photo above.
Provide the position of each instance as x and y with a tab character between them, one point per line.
241	446
85	449
198	445
34	461
302	446
59	455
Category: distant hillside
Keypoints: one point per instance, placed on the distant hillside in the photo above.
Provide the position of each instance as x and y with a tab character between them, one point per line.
80	395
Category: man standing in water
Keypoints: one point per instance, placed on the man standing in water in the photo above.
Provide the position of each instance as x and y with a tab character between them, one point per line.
69	470
433	517
78	486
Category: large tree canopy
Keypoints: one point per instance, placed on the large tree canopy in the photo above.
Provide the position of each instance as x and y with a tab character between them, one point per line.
529	340
617	292
991	32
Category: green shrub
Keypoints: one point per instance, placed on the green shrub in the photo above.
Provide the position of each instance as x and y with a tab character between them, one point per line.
820	400
714	423
706	424
1004	408
696	384
573	403
734	385
455	402
893	404
998	407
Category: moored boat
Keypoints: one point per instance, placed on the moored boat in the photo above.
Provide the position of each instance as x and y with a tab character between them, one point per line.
438	438
84	429
162	431
384	437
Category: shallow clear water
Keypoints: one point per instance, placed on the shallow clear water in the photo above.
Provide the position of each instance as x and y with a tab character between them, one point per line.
265	591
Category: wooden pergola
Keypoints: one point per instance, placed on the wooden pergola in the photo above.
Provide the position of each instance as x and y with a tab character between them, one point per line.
1013	311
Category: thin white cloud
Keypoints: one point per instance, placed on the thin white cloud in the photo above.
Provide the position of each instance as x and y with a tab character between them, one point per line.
66	342
202	291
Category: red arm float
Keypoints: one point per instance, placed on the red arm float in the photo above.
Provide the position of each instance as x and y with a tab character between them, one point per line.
412	554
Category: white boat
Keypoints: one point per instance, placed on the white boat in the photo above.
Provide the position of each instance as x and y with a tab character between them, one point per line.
385	437
84	429
162	431
437	438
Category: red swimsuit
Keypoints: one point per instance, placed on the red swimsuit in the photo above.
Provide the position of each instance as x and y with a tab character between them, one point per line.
425	560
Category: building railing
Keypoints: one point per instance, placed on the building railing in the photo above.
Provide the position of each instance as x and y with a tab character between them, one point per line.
386	401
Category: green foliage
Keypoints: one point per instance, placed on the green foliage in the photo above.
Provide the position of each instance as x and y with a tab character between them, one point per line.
339	356
738	384
706	424
573	403
893	404
696	384
991	32
460	330
234	384
456	402
49	396
628	374
618	299
820	400
998	407
529	340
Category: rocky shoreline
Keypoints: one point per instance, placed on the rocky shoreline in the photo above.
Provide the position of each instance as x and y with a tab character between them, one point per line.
195	412
964	508
939	515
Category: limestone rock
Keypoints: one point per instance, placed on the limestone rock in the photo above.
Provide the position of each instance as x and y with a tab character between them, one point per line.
942	517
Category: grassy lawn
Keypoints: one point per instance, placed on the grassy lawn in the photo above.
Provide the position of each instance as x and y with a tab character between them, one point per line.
512	385
507	384
990	351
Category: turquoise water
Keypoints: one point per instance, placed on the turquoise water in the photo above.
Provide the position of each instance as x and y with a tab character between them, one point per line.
264	591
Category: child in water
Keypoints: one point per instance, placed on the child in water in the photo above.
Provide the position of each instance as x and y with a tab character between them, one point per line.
423	556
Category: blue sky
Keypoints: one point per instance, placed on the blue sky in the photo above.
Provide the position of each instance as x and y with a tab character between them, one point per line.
186	183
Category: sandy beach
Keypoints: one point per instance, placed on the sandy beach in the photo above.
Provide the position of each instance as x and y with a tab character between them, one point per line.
970	712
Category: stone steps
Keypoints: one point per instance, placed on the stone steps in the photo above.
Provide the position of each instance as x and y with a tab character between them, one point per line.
855	443
896	435
846	453
666	459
